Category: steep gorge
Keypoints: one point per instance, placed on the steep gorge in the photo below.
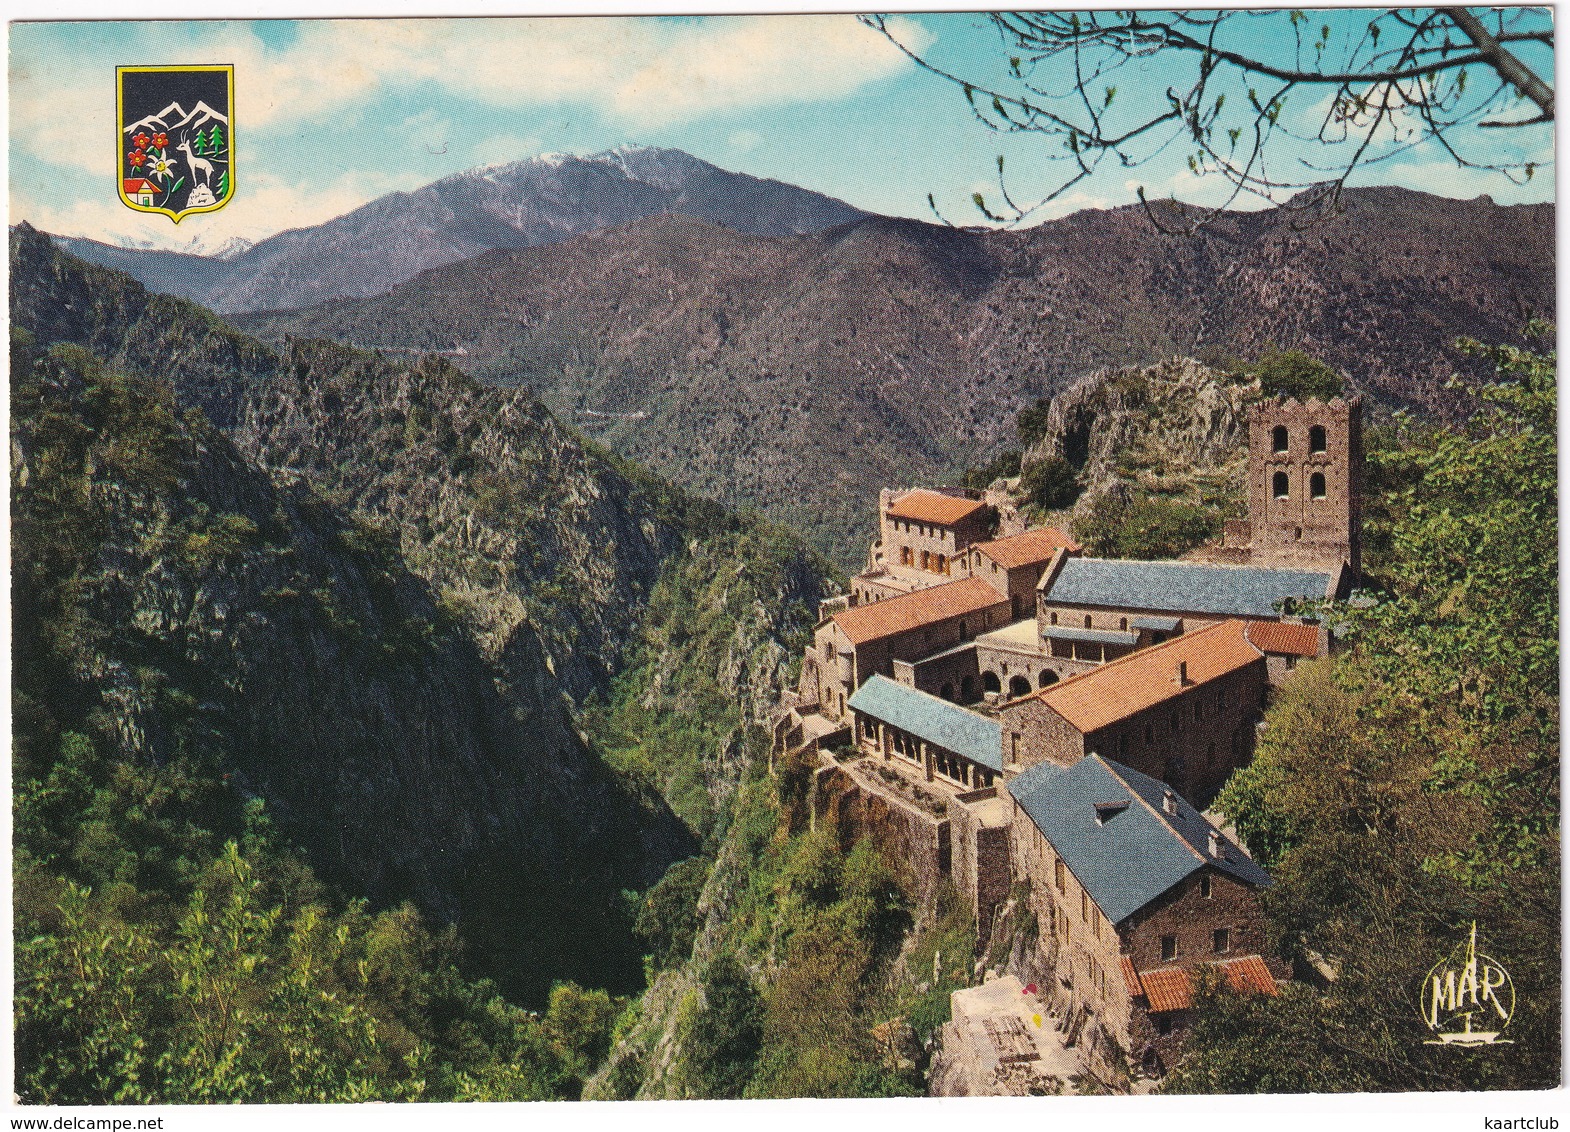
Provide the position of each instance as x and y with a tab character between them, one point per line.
425	747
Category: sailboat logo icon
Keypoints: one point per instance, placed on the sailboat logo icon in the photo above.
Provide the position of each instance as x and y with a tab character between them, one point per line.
1468	998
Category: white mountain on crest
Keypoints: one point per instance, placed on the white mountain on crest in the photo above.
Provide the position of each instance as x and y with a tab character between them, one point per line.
159	119
200	115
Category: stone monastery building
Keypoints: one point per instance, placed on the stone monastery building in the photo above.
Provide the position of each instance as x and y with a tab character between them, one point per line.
1018	712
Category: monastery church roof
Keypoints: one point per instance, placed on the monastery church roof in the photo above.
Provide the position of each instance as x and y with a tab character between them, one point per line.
937	721
1109	824
1120	688
879	619
1190	587
925	506
1028	549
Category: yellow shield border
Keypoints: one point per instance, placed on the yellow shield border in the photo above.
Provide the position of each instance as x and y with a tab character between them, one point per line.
119	108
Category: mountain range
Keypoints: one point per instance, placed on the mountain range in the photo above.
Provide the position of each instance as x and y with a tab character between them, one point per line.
799	374
522	204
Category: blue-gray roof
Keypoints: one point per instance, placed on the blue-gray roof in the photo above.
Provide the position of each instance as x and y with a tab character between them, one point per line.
1159	624
1139	852
946	725
1099	636
1239	591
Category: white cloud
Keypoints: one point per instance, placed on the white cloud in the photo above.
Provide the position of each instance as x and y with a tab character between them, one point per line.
745	140
639	72
253	214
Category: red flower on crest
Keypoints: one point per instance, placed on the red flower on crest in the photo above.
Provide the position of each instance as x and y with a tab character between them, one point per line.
137	158
160	140
141	141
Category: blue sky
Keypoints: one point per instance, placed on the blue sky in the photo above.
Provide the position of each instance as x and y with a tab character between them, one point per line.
332	114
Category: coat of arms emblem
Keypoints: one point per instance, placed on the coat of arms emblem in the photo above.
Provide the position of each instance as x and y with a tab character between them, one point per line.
176	138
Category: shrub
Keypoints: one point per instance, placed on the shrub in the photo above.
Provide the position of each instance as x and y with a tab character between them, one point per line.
1050	484
1292	373
1149	528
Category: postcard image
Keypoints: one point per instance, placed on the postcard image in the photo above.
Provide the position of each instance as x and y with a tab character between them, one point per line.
772	556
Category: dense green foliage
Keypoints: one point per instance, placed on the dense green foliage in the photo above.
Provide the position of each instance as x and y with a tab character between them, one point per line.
173	946
1148	526
1050	484
1292	373
1031	422
1410	788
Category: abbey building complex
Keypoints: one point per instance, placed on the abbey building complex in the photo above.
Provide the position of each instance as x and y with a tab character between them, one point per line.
1047	729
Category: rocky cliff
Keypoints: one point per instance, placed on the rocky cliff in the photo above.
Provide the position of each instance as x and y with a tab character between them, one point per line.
1175	429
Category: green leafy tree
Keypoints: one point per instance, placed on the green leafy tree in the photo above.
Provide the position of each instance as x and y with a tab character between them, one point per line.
667	919
1409	789
1050	484
1148	527
1292	373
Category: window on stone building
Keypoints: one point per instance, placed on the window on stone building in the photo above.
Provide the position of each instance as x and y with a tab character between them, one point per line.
1316	485
1221	940
1316	438
1279	485
1087	620
1204	887
1054	619
1168	947
1059	875
1084	905
1278	438
1164	1025
1123	623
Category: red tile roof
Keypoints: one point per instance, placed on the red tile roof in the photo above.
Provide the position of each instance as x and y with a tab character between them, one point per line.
1142	679
1027	549
1172	988
933	507
1280	638
882	619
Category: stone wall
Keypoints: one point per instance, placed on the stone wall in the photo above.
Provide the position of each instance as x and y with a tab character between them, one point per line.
1299	526
907	835
980	853
1082	950
1033	733
1193	740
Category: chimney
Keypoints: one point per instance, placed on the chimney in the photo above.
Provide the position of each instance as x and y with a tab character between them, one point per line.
1169	802
1182	673
1217	846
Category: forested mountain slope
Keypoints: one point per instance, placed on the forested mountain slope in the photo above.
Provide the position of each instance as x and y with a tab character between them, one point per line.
401	583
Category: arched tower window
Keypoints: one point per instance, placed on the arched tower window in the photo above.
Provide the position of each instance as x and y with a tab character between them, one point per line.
1278	438
1278	485
1316	438
1316	485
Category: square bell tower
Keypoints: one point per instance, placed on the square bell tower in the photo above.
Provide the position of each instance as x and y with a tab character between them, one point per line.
1305	479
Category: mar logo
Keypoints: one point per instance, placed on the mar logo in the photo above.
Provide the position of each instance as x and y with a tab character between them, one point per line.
176	138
